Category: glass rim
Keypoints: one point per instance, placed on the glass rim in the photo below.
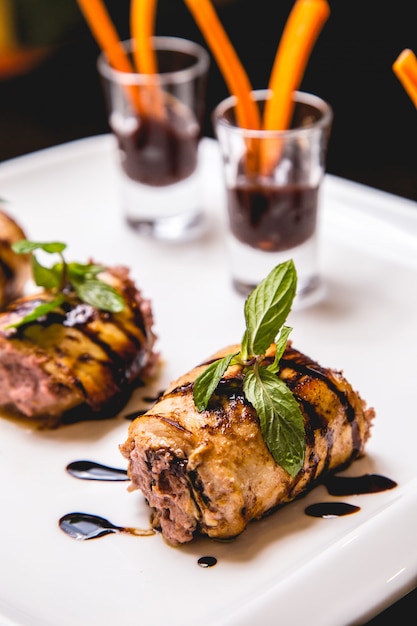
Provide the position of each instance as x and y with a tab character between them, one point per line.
199	66
302	97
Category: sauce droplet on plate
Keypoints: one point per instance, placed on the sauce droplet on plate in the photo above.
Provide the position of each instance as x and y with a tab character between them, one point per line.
328	510
356	485
207	561
84	526
90	470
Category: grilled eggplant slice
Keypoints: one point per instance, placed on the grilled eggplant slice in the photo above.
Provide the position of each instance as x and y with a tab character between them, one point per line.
14	268
212	473
77	362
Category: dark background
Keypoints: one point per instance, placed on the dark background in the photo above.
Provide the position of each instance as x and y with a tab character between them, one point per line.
375	123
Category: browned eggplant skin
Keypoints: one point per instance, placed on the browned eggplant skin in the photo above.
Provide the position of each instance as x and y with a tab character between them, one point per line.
77	356
14	268
212	473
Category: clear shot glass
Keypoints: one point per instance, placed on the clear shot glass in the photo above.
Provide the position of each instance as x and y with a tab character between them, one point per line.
157	122
273	181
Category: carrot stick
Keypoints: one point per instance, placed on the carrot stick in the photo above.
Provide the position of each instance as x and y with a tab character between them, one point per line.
142	21
236	79
303	26
405	68
107	38
233	72
105	33
301	30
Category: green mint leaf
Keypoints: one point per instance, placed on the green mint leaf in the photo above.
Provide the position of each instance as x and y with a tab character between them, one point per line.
80	271
244	346
280	417
24	246
100	295
267	307
38	312
281	344
50	278
81	277
207	381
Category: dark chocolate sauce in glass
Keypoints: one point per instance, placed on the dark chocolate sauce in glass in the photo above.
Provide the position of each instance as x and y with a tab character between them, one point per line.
272	218
160	152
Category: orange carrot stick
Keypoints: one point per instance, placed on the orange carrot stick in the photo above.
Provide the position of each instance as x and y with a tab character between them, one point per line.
107	38
232	70
302	28
142	22
105	33
405	68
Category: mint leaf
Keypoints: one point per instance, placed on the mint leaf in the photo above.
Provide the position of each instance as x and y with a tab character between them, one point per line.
82	271
24	246
268	306
39	311
63	277
50	278
100	295
207	381
281	344
280	417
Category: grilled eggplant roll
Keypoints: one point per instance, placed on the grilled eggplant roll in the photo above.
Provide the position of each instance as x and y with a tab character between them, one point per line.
211	473
14	268
76	362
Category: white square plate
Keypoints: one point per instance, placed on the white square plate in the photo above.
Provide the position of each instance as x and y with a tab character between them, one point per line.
288	568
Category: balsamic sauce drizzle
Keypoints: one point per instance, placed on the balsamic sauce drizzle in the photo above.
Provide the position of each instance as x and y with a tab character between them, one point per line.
207	561
328	510
85	526
149	400
90	470
338	485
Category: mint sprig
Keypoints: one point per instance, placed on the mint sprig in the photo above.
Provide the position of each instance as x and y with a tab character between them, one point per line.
280	417
63	278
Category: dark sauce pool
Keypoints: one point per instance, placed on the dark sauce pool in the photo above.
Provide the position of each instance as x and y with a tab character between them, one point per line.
348	486
338	485
87	526
272	218
160	152
90	470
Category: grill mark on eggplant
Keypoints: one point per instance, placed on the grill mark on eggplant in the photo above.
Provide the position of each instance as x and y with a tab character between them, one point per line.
137	341
56	317
172	423
315	421
316	372
116	363
179	391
